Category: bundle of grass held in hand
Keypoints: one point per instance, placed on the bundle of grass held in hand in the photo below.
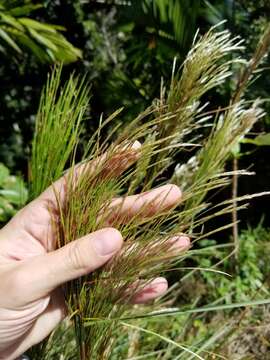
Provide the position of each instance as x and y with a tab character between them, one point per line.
97	192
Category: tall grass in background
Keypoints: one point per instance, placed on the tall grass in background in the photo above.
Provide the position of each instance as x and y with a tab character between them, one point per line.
173	127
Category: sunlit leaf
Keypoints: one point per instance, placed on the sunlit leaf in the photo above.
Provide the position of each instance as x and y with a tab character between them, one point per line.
45	41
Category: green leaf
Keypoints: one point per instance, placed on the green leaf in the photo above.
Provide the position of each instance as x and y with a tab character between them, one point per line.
4	173
24	10
44	40
11	21
33	24
14	190
262	140
13	194
179	15
35	48
6	210
9	40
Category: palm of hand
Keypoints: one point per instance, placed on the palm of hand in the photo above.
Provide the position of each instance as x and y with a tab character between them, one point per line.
26	237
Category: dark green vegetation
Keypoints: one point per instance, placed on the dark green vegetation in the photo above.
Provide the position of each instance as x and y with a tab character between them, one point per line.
126	50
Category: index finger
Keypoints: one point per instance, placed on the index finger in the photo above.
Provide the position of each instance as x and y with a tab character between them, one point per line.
108	165
35	218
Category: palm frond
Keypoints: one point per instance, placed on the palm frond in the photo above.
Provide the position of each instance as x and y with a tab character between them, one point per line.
181	15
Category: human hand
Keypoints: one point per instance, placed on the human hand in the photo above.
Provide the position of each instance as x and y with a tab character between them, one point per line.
32	271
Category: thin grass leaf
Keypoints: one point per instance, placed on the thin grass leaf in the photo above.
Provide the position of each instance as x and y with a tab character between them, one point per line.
163	338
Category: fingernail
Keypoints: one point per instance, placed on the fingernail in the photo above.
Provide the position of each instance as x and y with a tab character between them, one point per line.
168	189
159	281
108	242
180	242
160	285
136	145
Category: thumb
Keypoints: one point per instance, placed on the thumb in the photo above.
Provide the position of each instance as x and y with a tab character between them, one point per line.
42	274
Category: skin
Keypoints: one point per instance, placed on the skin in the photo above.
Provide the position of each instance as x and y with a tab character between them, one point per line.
32	271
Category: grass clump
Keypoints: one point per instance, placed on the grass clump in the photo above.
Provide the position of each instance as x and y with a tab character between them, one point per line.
58	127
99	304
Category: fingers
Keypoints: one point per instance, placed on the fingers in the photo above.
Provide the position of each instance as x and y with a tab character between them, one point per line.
143	205
109	164
159	286
35	218
179	243
38	276
151	291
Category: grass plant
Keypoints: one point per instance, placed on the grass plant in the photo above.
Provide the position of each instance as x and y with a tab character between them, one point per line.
99	303
58	127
